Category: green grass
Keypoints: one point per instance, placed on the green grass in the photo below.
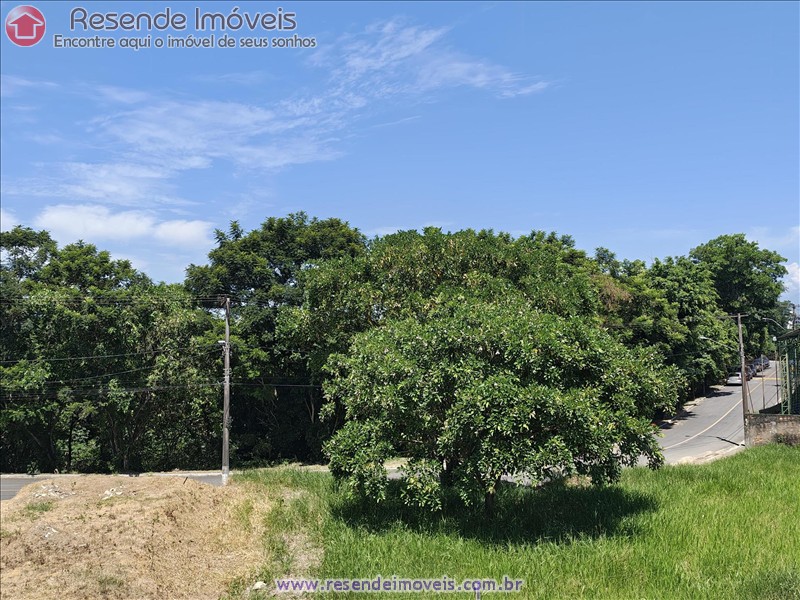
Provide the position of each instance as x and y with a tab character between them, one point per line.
300	508
729	529
34	510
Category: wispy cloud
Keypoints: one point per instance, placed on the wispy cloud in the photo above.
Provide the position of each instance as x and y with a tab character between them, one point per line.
11	85
397	122
397	59
8	220
69	222
46	139
152	137
780	241
244	78
192	135
791	282
121	183
120	95
133	146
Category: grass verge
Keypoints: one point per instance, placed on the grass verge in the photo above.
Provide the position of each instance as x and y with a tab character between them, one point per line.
728	529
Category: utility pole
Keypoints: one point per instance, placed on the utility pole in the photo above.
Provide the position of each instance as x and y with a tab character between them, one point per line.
743	367
226	405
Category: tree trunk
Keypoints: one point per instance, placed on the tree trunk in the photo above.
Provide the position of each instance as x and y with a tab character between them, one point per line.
488	503
489	499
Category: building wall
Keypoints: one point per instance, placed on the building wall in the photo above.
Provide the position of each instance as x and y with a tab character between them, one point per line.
765	429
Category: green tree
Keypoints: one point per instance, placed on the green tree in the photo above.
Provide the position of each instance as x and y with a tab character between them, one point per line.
100	368
672	307
409	273
24	252
276	413
748	281
479	389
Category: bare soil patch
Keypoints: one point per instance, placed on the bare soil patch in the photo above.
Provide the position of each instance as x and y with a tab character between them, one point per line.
122	537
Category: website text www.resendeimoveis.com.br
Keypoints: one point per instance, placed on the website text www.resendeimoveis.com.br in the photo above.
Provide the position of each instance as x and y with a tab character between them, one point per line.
395	584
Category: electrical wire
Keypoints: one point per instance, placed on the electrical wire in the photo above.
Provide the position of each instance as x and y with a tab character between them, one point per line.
98	392
37	360
64	382
130	299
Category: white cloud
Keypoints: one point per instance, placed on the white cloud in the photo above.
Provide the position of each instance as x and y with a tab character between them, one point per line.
384	46
11	85
394	59
113	182
120	95
792	282
786	241
397	122
46	139
149	139
120	183
184	233
191	135
93	222
8	220
451	70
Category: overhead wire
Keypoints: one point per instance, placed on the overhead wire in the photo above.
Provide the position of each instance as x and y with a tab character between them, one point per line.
65	383
36	360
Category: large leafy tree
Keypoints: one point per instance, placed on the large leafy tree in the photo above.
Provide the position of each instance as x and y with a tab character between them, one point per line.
672	307
276	406
703	341
409	273
748	281
478	389
100	368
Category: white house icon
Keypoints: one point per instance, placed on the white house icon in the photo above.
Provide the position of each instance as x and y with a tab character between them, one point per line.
25	26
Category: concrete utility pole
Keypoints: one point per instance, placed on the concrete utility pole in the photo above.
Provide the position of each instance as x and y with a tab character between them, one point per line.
226	405
743	367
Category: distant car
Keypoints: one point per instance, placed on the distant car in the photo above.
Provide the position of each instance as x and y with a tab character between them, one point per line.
734	378
761	363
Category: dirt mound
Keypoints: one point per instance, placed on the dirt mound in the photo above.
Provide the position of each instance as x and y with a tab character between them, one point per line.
124	537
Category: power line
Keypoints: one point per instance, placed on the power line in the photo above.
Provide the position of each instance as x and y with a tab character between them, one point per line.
62	382
37	360
106	300
268	384
98	392
93	391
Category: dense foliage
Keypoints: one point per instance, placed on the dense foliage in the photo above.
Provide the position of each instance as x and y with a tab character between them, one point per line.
276	412
472	353
479	389
101	369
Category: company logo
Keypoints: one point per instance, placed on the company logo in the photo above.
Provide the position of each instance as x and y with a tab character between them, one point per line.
25	25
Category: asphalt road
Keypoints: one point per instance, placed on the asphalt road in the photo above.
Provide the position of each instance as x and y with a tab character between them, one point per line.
714	424
708	427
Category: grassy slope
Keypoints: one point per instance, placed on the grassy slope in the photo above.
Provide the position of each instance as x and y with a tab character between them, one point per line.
729	529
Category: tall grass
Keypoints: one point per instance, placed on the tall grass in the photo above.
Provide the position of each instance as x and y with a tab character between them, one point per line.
729	529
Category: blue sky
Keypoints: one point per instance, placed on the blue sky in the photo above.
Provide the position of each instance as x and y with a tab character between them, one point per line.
647	128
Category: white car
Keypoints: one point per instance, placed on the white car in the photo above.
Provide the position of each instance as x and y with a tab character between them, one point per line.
734	378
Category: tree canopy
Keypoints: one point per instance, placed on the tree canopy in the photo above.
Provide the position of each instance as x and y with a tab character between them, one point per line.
475	354
479	389
101	370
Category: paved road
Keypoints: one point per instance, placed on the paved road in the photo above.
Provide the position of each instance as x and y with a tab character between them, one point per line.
714	424
708	427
